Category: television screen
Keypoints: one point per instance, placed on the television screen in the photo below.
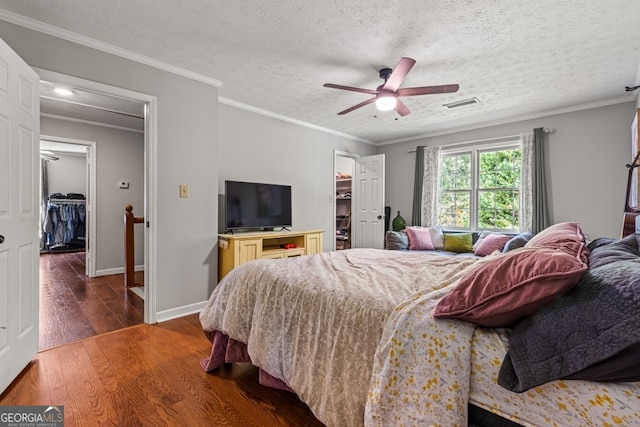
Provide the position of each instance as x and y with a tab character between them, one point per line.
252	205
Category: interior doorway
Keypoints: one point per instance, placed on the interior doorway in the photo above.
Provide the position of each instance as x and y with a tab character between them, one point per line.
343	170
99	302
67	179
366	215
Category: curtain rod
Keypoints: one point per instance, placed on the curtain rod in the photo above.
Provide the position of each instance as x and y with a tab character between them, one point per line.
546	130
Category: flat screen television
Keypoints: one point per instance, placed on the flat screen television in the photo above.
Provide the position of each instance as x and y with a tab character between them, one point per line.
254	205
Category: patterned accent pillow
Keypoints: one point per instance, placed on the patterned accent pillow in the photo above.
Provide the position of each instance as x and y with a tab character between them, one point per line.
458	242
511	286
397	240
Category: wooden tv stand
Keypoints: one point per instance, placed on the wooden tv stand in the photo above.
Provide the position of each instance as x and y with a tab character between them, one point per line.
240	248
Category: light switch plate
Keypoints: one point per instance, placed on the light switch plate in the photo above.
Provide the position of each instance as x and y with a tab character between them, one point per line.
184	191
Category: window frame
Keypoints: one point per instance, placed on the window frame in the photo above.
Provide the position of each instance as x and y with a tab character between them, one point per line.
475	150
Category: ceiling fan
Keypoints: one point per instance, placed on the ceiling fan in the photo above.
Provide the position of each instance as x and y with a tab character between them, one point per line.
387	94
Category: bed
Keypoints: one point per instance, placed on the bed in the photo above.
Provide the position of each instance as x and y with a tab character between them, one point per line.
375	337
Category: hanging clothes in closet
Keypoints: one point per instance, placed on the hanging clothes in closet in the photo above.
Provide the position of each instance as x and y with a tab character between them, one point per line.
64	222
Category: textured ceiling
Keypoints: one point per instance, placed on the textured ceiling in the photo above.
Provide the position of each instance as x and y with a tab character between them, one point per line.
519	58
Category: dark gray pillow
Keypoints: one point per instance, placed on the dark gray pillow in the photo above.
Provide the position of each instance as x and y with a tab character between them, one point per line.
518	241
396	240
586	334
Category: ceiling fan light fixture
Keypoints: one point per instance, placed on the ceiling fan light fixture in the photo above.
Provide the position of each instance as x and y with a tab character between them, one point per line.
386	102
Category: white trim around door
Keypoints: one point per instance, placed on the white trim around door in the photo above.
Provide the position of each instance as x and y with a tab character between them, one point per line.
150	137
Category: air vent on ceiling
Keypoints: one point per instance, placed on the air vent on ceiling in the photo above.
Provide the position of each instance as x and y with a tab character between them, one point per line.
461	103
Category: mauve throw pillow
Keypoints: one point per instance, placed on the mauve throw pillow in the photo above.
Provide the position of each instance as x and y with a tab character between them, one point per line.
491	243
564	236
419	238
511	286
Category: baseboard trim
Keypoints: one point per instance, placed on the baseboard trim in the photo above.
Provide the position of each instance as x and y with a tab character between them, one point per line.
173	313
120	270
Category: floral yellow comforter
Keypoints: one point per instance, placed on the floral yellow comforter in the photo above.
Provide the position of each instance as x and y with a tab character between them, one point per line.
422	368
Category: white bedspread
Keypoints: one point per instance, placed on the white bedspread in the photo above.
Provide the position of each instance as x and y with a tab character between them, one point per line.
315	322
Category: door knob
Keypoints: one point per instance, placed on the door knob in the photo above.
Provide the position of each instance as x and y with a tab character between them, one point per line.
379	216
1	238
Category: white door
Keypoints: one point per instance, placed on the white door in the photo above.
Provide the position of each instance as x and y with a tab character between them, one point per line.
19	214
367	224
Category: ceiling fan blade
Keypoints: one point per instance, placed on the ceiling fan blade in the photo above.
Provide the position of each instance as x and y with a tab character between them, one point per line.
353	89
362	104
427	90
401	108
399	73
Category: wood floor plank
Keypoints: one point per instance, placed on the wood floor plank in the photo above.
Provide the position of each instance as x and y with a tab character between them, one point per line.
107	368
74	306
150	375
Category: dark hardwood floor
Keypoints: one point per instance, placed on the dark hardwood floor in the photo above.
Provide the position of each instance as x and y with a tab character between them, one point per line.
74	306
149	375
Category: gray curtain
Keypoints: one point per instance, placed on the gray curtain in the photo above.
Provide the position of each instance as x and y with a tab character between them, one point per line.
44	192
416	216
540	207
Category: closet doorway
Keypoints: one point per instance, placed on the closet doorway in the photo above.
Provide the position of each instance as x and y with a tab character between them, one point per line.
363	206
344	169
68	171
104	129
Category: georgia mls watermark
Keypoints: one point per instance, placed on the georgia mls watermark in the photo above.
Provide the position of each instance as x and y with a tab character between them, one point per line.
31	416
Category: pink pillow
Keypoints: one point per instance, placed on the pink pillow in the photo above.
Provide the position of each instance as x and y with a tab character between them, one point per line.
491	243
564	236
419	238
511	286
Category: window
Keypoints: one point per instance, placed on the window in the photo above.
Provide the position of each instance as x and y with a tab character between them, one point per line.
479	188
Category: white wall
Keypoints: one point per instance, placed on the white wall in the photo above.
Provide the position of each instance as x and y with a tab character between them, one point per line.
345	165
586	157
258	148
67	174
187	131
119	157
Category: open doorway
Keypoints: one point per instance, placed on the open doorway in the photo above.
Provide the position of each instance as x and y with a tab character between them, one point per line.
359	200
102	128
67	180
344	169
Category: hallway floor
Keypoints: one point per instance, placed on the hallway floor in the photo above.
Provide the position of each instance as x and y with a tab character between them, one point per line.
74	306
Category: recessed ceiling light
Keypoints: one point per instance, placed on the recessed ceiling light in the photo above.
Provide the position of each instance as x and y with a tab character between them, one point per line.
63	91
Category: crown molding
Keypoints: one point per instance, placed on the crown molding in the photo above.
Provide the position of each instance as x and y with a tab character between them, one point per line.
540	114
277	116
51	30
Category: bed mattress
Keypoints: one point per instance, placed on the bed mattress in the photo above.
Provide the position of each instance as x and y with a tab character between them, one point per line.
557	403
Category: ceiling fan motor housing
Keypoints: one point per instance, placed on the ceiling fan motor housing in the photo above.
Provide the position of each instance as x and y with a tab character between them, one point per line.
385	73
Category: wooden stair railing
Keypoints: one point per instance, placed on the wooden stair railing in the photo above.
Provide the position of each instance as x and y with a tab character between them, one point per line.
129	246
